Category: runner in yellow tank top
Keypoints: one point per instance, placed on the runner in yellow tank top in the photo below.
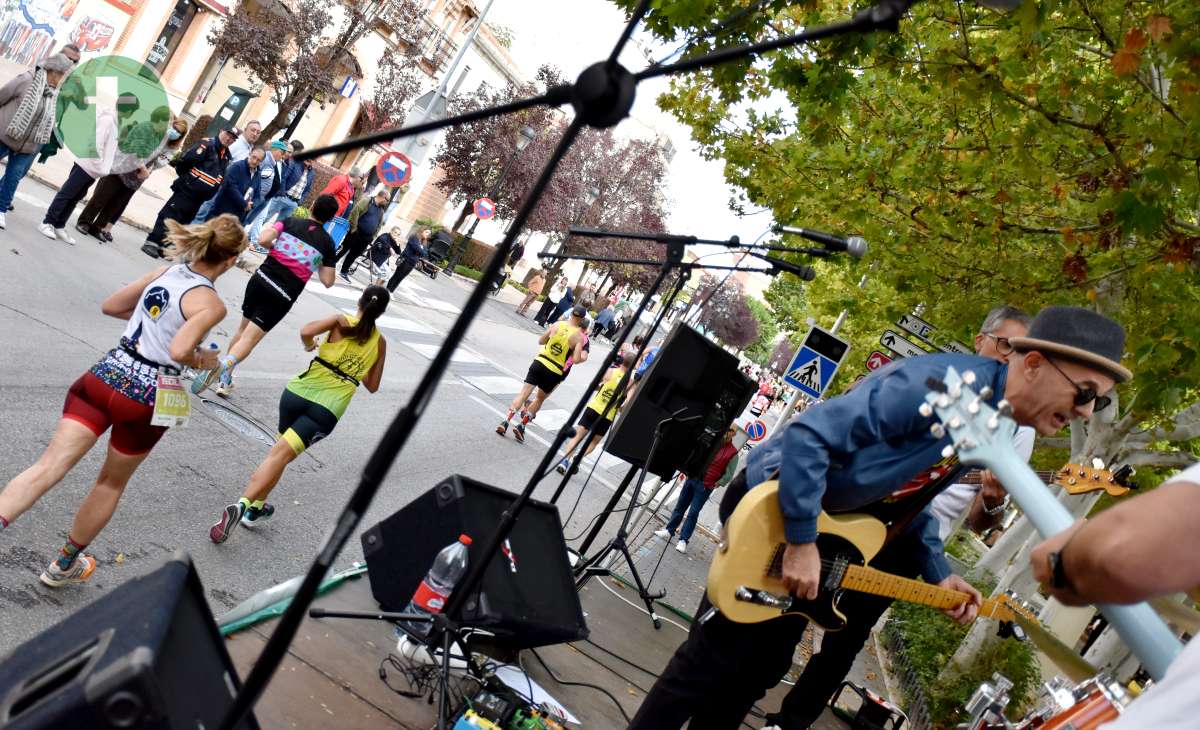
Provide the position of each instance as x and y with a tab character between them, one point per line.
353	353
560	341
601	410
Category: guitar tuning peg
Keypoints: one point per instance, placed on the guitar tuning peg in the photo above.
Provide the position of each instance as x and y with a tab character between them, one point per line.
967	444
968	377
955	390
938	430
993	423
973	407
944	401
986	392
1004	408
956	423
925	410
948	451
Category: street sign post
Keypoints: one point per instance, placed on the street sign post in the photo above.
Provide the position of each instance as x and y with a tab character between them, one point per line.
877	360
915	325
394	168
899	345
484	208
756	430
816	362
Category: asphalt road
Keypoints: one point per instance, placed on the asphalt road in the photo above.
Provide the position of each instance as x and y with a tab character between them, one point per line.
50	296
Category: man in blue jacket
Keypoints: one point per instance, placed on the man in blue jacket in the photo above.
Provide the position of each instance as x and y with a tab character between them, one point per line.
237	192
295	182
870	450
200	170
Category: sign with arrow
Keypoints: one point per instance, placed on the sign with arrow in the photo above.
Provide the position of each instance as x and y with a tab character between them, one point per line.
899	345
877	360
816	362
956	346
915	325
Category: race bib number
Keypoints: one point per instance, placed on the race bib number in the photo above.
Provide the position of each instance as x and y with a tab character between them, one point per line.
172	408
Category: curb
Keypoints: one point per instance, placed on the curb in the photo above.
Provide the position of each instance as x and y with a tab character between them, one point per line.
124	218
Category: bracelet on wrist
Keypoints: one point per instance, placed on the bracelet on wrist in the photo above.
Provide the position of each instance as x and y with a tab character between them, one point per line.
998	509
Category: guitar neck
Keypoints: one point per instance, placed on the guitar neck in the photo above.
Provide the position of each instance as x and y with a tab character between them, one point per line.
869	580
975	476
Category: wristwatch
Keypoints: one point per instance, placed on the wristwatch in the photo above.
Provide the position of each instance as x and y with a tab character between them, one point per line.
1058	572
993	511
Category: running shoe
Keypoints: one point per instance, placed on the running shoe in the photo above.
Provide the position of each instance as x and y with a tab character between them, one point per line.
258	249
201	380
562	467
502	428
47	230
77	572
255	517
519	432
220	531
224	389
3	221
663	533
344	276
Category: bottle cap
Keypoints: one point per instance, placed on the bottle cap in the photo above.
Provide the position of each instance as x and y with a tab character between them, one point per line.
465	539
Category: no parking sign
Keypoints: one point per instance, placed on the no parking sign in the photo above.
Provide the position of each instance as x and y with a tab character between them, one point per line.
484	208
756	430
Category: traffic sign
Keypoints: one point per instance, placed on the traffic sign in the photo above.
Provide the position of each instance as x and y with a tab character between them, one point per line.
816	362
756	430
394	168
915	325
877	360
484	208
899	345
956	346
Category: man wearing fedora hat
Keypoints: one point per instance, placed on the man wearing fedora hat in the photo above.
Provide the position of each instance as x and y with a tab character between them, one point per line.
871	451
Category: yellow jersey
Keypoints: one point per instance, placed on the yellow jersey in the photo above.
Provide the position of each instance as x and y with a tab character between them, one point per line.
325	387
557	349
605	400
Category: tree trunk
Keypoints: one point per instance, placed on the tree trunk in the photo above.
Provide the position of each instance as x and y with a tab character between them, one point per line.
582	274
607	276
280	120
612	287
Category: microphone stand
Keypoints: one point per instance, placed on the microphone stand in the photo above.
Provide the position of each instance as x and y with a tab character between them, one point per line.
601	96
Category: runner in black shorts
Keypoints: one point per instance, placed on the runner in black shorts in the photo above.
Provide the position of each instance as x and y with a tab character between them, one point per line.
561	341
299	247
600	412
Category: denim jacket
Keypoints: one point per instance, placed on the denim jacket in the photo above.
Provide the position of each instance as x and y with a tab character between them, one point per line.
858	448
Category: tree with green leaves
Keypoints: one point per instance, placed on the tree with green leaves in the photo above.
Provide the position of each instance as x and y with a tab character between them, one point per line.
760	350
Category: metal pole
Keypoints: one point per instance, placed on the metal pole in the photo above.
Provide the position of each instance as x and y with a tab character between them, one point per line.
790	408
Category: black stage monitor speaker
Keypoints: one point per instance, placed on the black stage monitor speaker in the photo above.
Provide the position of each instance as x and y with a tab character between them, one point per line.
527	597
692	373
147	655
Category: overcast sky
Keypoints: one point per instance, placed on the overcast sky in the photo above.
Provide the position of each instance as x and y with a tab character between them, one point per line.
573	34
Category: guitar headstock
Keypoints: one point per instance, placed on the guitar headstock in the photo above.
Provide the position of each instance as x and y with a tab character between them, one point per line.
1015	606
979	434
1080	479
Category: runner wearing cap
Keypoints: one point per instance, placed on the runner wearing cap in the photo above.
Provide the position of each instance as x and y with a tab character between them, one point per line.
560	341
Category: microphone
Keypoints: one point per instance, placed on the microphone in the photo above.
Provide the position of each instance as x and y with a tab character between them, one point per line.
806	273
856	246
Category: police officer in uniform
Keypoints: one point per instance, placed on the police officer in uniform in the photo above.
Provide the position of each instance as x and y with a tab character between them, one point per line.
200	170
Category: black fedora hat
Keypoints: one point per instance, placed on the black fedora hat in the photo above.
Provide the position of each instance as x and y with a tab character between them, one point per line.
1077	334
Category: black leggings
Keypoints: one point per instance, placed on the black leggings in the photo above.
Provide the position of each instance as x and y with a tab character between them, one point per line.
302	422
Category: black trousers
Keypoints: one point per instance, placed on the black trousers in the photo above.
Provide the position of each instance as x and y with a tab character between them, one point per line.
354	246
181	208
108	202
403	269
544	311
68	196
723	668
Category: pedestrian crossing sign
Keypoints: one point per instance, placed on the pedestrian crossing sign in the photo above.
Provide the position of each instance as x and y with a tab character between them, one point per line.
816	362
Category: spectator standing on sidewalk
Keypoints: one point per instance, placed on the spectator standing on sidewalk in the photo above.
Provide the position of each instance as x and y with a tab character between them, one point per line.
414	251
695	492
248	140
27	121
113	192
113	146
564	305
534	288
73	93
295	182
237	191
604	319
270	177
365	219
552	299
342	188
201	170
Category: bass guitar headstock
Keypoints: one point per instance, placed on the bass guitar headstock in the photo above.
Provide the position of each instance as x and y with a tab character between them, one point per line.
979	434
1080	479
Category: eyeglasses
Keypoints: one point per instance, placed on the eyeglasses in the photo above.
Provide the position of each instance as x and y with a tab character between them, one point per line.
1083	395
1003	346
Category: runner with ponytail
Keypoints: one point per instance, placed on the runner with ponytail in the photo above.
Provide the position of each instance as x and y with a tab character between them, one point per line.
352	353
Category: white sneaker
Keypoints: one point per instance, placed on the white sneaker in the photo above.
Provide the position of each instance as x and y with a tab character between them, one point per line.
62	235
663	534
47	230
3	221
681	547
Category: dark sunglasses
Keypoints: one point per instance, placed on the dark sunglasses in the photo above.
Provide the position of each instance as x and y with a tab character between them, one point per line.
1083	395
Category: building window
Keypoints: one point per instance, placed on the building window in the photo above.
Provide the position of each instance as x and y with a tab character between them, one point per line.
172	33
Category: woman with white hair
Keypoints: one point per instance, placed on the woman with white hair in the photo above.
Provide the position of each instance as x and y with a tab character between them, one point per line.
27	107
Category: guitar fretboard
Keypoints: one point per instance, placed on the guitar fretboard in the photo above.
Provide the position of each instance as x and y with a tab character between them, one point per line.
875	582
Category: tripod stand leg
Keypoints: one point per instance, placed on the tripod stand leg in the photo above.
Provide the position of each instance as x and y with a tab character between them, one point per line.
646	596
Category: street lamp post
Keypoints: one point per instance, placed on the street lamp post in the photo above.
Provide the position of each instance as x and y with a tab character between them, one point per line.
526	135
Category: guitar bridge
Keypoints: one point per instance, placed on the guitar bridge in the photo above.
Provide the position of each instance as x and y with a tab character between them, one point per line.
762	598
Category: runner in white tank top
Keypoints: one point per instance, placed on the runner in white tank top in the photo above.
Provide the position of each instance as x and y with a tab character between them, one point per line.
169	312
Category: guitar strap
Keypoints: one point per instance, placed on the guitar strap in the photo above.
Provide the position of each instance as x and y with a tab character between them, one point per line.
916	503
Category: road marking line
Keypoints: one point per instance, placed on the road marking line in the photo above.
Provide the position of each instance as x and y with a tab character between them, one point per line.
340	292
494	384
396	323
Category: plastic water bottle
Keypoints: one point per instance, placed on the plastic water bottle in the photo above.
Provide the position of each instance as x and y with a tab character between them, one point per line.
430	598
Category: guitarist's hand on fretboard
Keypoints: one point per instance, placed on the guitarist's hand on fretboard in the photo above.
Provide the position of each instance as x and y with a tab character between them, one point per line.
965	612
802	569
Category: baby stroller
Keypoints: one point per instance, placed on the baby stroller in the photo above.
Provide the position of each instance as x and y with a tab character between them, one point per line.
437	250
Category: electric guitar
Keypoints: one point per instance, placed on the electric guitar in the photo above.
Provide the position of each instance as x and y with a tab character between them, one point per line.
982	436
745	579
